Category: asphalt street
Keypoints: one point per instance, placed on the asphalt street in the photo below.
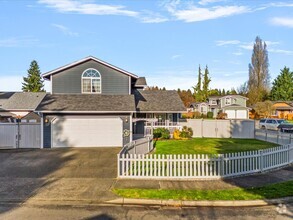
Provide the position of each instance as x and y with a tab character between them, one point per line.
143	213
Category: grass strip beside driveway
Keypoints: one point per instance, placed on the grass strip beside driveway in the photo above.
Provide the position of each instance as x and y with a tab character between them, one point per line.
271	191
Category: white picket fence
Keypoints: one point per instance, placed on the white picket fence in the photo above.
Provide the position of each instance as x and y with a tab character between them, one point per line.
200	166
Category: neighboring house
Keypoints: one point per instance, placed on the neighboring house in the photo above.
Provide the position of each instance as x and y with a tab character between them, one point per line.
19	105
283	109
96	104
233	105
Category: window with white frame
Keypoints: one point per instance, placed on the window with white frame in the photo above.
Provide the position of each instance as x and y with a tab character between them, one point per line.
91	81
213	102
228	101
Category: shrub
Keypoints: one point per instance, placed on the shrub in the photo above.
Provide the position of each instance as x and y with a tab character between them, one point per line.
203	115
210	115
161	133
222	115
176	134
196	114
186	132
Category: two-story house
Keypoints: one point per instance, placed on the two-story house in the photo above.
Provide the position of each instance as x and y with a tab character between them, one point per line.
233	105
96	104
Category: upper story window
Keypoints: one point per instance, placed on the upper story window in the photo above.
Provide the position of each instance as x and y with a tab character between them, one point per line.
91	81
213	102
228	101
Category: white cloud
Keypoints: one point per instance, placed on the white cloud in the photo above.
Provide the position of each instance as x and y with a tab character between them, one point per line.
246	46
10	83
192	13
82	7
65	30
280	4
206	2
152	17
176	56
286	52
18	42
271	43
227	42
14	83
282	21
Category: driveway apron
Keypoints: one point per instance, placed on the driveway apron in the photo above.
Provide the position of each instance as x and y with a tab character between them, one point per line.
58	174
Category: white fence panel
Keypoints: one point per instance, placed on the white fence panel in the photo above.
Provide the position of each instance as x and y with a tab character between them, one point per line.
8	135
30	136
139	166
220	128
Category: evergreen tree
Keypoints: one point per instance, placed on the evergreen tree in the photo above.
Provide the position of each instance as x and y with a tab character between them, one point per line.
223	92
259	78
33	82
197	89
282	89
205	84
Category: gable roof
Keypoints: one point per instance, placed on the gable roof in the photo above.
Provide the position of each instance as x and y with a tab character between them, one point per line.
140	82
75	63
86	103
158	101
27	101
4	96
236	96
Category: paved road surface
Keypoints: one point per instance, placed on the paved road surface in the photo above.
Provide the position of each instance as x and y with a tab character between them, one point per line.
144	213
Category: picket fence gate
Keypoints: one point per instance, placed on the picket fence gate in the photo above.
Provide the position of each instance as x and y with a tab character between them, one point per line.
202	166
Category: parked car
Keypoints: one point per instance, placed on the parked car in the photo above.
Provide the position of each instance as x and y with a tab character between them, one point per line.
286	127
270	123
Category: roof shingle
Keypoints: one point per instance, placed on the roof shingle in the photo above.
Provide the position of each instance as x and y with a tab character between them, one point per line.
158	101
87	103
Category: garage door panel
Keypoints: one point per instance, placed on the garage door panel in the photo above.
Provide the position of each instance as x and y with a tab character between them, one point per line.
230	114
87	132
241	114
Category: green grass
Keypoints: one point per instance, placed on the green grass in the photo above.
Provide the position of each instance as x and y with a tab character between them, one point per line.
271	191
210	146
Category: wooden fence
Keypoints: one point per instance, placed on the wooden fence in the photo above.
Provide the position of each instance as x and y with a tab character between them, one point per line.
139	166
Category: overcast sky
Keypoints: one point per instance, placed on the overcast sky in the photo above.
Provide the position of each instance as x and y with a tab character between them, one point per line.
164	41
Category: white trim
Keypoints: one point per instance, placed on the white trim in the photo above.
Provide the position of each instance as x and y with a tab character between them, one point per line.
91	78
131	128
51	83
42	131
129	85
86	59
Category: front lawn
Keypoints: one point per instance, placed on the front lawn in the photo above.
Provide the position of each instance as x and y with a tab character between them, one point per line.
210	146
271	191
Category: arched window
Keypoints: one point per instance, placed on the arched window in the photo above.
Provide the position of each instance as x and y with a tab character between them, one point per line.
91	81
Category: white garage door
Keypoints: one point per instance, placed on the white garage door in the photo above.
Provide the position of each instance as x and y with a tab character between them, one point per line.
230	114
241	114
84	131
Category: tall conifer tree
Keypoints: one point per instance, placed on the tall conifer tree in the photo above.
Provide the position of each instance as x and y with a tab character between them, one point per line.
33	82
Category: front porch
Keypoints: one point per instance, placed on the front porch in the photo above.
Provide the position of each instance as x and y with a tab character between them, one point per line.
144	123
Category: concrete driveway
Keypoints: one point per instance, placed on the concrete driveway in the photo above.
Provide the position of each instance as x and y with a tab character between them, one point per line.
58	174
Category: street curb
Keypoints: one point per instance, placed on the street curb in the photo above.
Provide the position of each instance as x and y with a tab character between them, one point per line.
182	203
150	202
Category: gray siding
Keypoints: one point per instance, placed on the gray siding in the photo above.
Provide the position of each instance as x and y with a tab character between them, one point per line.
69	81
239	101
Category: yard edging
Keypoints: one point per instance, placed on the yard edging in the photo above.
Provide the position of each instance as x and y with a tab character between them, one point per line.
184	203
